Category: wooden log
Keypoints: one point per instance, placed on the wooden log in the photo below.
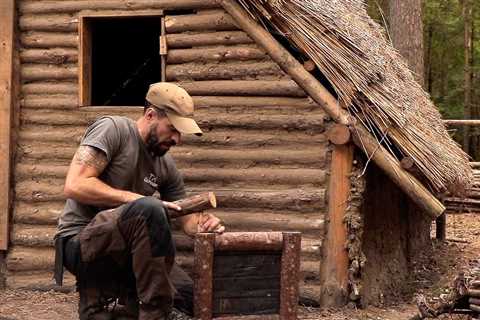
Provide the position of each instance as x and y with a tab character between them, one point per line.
39	281
57	101
243	220
8	85
237	53
54	148
281	88
254	317
409	184
188	40
339	134
197	203
22	258
48	40
218	21
50	56
226	101
225	71
45	213
34	72
408	163
206	119
54	22
217	138
50	88
475	165
461	122
72	6
249	241
334	273
289	281
203	276
309	65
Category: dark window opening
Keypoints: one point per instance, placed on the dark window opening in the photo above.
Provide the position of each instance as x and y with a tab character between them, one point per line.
125	59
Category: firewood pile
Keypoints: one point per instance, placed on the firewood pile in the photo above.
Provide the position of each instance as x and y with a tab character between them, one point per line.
471	202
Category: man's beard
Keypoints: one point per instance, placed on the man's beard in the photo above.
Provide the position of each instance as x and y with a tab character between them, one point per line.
155	147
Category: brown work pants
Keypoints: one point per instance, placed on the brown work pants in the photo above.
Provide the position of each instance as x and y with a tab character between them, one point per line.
128	252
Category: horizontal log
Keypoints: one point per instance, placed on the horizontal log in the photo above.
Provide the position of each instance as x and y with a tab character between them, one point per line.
306	200
249	241
58	101
34	72
39	281
206	119
28	235
40	213
237	53
51	56
462	122
218	21
61	152
244	221
48	40
281	88
50	88
61	6
475	165
188	40
223	71
223	138
52	22
220	101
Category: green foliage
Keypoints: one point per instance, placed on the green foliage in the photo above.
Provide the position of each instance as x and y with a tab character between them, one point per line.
444	52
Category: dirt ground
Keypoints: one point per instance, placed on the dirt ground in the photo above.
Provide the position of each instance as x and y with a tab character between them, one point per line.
432	278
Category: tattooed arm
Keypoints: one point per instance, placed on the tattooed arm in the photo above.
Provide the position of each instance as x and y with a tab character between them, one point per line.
83	185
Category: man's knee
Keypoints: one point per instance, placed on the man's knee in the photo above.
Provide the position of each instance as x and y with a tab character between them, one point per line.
149	208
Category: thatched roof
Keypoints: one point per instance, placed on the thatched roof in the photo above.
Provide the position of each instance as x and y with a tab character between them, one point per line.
371	80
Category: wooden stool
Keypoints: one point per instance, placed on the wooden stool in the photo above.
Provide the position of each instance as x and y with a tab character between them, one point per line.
246	275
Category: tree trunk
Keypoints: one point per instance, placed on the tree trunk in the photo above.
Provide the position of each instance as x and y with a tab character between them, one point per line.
406	30
467	11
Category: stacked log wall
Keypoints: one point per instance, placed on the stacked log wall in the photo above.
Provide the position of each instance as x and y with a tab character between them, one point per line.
264	151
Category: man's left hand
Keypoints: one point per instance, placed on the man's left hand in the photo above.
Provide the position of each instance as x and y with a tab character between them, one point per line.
207	222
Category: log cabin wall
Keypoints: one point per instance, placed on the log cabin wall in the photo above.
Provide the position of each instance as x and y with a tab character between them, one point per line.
264	151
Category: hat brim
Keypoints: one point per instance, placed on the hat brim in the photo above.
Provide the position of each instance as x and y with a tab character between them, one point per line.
184	125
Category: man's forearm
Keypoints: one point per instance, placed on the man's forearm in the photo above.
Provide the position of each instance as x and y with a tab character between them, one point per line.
95	192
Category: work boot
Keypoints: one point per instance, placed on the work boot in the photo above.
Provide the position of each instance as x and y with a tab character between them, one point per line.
153	312
91	306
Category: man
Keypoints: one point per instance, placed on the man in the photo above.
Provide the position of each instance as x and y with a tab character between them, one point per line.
113	235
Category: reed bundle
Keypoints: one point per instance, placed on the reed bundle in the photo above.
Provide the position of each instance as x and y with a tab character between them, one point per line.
371	80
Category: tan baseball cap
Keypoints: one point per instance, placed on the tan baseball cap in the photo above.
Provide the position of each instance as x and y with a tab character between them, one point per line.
178	106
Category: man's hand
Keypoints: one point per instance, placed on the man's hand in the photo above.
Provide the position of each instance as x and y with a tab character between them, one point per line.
207	222
171	206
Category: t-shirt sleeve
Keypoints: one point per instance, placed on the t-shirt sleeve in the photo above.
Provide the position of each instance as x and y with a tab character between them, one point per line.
172	188
103	134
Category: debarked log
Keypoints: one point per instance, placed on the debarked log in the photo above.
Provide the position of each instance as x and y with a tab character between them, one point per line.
236	53
52	22
36	39
188	40
57	101
225	71
75	5
219	21
31	72
227	101
50	56
48	87
281	88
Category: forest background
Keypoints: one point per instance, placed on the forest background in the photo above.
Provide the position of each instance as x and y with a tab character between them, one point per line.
451	57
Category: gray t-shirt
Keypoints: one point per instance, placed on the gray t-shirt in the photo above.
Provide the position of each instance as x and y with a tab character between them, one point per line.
130	167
